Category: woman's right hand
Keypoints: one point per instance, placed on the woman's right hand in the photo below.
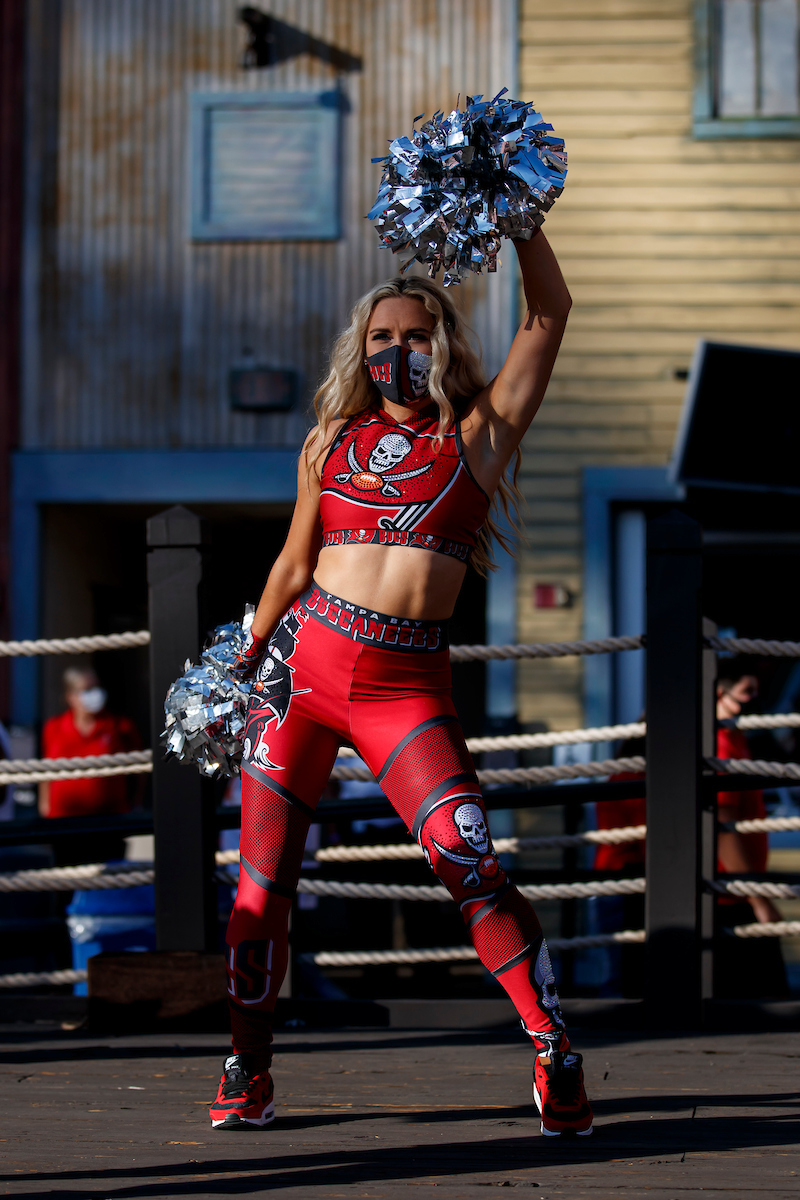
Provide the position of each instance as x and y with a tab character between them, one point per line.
248	659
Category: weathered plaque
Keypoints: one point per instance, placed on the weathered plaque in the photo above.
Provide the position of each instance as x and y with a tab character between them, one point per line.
265	166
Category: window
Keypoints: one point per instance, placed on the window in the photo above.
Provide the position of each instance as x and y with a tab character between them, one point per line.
265	166
748	60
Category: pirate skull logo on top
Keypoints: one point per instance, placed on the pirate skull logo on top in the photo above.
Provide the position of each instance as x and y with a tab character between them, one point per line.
389	452
381	474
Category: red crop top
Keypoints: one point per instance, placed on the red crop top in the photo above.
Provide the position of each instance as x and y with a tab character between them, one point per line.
384	482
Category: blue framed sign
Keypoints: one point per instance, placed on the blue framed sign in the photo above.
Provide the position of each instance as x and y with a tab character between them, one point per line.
265	166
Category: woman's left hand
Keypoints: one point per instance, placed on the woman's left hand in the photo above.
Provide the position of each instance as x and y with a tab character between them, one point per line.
249	657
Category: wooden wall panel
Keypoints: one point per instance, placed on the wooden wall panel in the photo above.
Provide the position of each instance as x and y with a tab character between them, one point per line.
131	335
663	240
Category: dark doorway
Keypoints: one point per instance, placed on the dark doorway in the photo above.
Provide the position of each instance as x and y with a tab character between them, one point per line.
94	580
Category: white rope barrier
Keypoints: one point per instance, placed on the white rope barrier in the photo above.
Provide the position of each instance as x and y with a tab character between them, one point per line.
55	776
444	954
600	733
755	646
94	877
767	929
769	721
763	825
75	645
590	770
465	653
545	649
756	767
744	887
410	850
41	770
433	954
541	741
596	837
37	765
402	891
90	766
476	653
37	978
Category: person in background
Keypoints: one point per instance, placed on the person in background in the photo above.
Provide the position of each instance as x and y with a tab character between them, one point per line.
753	966
86	728
743	967
623	912
6	793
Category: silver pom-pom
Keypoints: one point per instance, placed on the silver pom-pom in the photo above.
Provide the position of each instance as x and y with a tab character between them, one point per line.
205	708
460	183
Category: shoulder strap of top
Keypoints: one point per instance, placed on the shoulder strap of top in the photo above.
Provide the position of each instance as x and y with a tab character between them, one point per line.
463	458
338	439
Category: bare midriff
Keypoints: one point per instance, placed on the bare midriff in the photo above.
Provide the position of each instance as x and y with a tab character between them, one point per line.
400	580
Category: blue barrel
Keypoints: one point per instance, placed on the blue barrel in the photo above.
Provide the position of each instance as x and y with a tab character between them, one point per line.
118	919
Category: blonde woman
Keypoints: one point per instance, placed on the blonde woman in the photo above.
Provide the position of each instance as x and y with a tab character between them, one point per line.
395	495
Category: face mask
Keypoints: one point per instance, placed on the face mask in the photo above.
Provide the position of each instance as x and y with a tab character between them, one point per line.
399	374
94	699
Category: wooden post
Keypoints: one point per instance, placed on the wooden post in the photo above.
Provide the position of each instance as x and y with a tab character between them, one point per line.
185	894
674	765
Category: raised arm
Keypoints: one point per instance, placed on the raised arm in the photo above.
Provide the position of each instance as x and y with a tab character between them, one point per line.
505	408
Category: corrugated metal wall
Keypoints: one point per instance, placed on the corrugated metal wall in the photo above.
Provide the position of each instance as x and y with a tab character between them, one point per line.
132	328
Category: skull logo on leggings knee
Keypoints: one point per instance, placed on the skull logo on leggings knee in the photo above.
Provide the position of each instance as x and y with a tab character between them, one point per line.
472	826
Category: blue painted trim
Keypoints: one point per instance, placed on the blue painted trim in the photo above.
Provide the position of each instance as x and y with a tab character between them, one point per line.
501	629
602	487
707	125
754	128
328	107
120	477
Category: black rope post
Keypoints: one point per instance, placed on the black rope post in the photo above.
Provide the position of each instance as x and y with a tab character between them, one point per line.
673	992
708	811
183	812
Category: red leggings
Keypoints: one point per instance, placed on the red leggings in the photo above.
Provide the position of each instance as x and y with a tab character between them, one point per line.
329	677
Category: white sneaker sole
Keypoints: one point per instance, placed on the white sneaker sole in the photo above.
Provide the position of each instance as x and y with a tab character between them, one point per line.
553	1133
267	1116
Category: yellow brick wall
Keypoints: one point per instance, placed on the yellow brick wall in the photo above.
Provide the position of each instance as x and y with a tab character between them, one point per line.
663	240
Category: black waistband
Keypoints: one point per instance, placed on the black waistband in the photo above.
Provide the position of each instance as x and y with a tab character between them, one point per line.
374	628
397	537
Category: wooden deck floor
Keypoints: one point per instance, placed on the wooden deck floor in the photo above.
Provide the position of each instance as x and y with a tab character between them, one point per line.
393	1114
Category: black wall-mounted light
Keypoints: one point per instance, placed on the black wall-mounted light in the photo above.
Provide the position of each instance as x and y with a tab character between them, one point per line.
262	389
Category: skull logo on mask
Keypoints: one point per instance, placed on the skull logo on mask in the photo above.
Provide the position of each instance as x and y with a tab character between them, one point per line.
419	369
389	451
472	826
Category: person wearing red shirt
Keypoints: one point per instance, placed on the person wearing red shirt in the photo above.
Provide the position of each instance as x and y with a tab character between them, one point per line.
86	728
751	967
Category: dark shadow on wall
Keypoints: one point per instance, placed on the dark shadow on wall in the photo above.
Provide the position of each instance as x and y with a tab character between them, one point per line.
272	41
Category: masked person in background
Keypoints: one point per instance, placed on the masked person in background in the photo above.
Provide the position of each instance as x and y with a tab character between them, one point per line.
86	728
743	967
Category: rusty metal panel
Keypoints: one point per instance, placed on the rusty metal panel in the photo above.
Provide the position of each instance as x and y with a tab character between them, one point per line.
140	326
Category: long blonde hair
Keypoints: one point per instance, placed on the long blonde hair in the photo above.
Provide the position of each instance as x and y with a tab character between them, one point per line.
456	377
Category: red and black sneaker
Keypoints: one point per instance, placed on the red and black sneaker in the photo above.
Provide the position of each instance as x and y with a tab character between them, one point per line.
559	1094
245	1099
